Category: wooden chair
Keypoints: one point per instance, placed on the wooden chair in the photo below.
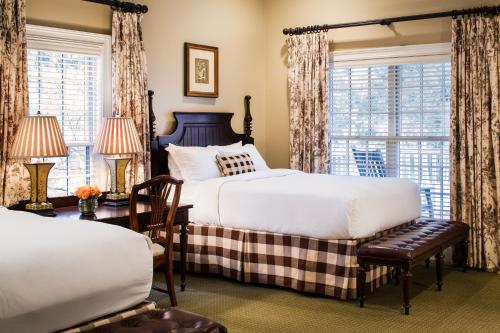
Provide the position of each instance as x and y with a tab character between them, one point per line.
163	193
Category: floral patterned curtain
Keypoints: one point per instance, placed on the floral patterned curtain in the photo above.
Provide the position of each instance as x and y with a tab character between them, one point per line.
308	89
475	135
14	179
130	85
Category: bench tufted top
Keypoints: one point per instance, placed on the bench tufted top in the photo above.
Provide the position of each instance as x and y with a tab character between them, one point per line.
416	240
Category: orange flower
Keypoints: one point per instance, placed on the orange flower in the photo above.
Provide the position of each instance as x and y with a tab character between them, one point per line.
85	192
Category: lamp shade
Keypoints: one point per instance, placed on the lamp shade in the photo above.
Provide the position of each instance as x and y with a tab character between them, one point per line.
38	136
118	136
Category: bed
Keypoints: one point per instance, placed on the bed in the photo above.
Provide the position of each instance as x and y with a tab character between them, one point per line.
282	227
57	273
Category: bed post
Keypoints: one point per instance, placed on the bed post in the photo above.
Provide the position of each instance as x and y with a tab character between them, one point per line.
248	120
152	117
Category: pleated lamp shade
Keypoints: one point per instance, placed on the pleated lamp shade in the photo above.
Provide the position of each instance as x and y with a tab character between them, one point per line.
38	136
118	136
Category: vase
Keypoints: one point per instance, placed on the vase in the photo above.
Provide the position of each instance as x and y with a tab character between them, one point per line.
87	206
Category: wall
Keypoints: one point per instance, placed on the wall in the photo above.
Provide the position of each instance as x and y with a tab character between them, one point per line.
69	14
291	13
235	26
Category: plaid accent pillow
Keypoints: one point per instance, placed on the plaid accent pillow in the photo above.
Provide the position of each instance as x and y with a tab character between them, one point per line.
230	165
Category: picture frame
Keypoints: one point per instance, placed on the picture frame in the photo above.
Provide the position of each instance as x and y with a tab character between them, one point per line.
201	70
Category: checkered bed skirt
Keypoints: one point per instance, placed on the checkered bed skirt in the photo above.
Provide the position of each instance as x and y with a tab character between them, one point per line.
322	267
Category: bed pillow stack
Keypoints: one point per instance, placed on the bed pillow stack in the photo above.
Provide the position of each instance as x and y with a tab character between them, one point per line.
200	163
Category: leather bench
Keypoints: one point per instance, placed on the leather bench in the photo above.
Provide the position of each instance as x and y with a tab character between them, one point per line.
163	321
406	247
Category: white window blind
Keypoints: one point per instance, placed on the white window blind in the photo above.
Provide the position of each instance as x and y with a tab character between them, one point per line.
66	80
393	121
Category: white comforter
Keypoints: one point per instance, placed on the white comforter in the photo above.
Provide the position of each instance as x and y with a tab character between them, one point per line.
292	202
56	273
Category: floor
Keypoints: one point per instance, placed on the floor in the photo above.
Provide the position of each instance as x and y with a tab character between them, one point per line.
469	302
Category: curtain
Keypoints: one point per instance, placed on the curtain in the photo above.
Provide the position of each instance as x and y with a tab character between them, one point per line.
130	95
14	179
308	89
475	135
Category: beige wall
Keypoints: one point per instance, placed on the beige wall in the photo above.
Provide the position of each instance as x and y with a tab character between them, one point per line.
292	13
69	14
235	26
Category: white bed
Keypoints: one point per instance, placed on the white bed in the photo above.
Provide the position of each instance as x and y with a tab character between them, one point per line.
56	273
291	202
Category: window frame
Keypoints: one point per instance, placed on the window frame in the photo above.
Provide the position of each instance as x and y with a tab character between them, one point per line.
73	41
391	57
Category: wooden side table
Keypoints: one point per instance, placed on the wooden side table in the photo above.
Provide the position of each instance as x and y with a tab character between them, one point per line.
67	207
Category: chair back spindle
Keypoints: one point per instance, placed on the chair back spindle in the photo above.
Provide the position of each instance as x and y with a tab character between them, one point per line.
159	191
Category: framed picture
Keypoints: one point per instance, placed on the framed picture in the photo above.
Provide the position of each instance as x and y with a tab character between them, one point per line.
201	70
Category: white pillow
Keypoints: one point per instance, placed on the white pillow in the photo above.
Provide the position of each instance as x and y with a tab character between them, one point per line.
258	161
193	163
173	168
234	145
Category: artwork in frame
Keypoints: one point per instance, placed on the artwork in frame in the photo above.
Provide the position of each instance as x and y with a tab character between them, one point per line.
201	70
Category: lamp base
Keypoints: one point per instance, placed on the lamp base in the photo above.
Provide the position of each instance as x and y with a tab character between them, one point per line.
39	173
116	199
117	196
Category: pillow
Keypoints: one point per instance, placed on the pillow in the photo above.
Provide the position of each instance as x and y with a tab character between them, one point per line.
258	161
173	167
230	165
234	145
193	163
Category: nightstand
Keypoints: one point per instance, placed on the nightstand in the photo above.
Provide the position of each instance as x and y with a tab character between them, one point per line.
67	207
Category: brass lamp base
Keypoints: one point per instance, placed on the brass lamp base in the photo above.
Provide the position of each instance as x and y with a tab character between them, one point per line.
116	199
117	195
39	172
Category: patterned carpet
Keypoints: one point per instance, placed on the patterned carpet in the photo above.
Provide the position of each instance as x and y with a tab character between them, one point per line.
469	302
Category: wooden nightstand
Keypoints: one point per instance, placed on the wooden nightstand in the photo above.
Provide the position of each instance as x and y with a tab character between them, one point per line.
67	207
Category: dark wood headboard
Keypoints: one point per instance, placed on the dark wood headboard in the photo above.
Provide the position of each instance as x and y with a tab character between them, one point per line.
196	129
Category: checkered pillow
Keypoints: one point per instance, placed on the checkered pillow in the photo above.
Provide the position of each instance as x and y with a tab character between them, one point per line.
230	165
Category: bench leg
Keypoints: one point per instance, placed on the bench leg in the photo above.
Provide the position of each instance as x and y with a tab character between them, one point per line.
397	275
406	289
464	247
361	281
439	270
427	262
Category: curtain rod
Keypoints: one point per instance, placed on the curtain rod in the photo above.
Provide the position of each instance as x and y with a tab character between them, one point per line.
390	20
123	6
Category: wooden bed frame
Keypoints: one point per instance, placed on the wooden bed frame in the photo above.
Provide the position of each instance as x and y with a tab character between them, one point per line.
195	129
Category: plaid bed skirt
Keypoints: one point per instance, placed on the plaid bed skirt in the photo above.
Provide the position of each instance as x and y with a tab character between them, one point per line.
319	266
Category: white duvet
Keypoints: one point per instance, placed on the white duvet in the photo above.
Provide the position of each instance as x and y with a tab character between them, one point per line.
55	273
292	202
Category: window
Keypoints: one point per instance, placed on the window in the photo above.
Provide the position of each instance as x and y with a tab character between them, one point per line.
389	116
68	78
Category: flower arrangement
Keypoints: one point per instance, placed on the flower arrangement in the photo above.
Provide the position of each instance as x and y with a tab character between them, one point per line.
88	192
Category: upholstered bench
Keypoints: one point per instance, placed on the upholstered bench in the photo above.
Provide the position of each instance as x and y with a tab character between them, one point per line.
406	247
163	321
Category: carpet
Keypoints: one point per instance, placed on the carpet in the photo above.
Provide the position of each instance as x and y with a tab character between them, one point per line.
469	302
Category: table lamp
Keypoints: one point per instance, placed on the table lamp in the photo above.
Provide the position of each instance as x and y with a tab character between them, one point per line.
118	136
38	137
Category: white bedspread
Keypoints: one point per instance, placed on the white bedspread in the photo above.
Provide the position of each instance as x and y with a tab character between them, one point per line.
55	273
292	202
